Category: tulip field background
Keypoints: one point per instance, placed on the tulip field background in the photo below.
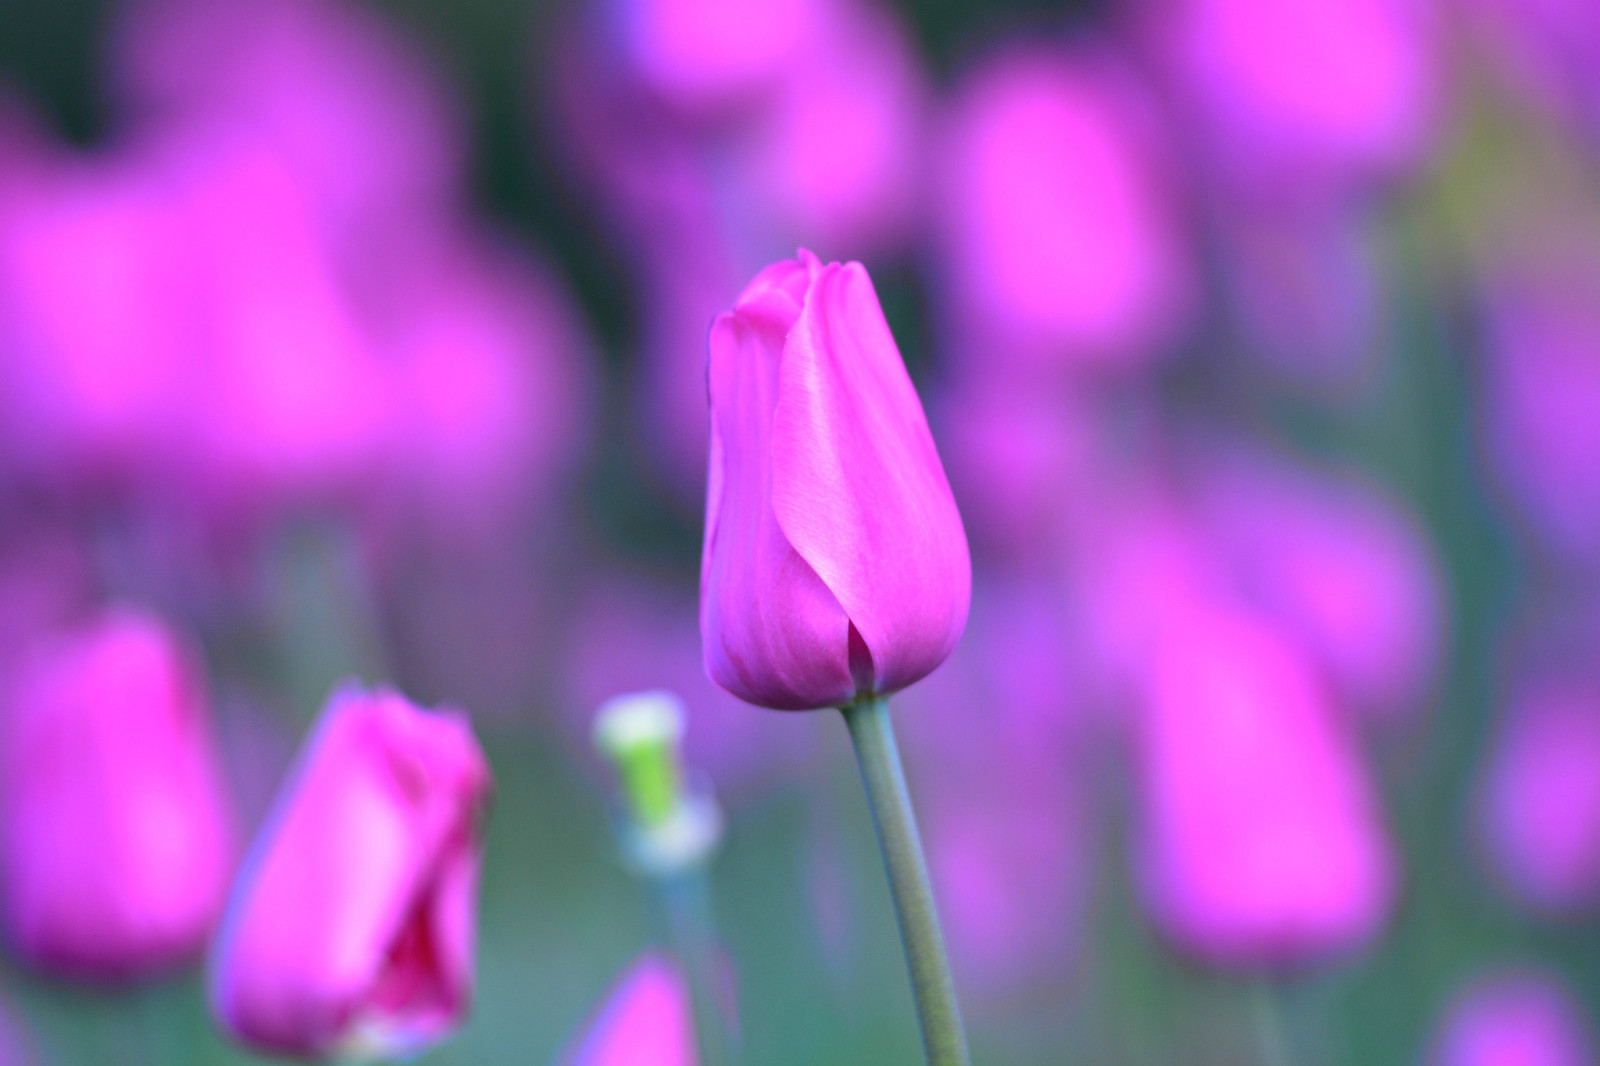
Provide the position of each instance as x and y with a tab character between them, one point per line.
1288	309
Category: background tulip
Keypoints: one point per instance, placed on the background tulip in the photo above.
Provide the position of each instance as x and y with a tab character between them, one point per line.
835	563
1540	805
645	1019
116	841
352	927
1522	1017
1261	844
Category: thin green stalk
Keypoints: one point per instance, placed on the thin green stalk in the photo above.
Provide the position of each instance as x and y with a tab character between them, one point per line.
1271	1038
686	899
943	1038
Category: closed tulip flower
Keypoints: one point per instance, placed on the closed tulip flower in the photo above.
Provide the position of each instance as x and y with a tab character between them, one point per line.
352	927
835	564
646	1018
115	839
1263	845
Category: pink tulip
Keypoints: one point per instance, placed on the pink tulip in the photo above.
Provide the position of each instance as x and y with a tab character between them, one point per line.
834	159
1341	565
96	320
1540	808
293	398
1290	89
1541	392
489	360
646	1019
1262	843
1058	230
353	110
352	926
1518	1018
835	563
707	55
116	842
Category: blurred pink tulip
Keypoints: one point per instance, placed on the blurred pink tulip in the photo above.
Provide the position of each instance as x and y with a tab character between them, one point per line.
1293	91
1262	844
293	399
833	161
116	841
1541	392
489	358
645	1019
1058	232
1514	1018
835	563
1340	564
351	108
96	318
1540	805
706	55
352	927
1027	463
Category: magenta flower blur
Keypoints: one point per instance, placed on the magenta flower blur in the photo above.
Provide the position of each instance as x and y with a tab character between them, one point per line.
1514	1018
95	324
645	1019
1262	844
1343	566
1057	228
352	927
835	159
835	564
705	55
1290	89
352	108
1541	392
116	841
1540	806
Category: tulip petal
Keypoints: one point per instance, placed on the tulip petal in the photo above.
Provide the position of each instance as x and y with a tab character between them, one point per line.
351	927
857	486
775	634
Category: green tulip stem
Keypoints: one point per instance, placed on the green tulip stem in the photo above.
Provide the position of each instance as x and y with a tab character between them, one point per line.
871	731
1272	1039
691	930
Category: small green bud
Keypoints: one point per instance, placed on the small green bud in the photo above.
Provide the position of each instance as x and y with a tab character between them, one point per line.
640	734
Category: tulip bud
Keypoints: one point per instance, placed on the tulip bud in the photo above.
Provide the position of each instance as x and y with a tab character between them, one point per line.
115	836
352	927
646	1018
1524	1018
1262	842
835	564
1539	813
